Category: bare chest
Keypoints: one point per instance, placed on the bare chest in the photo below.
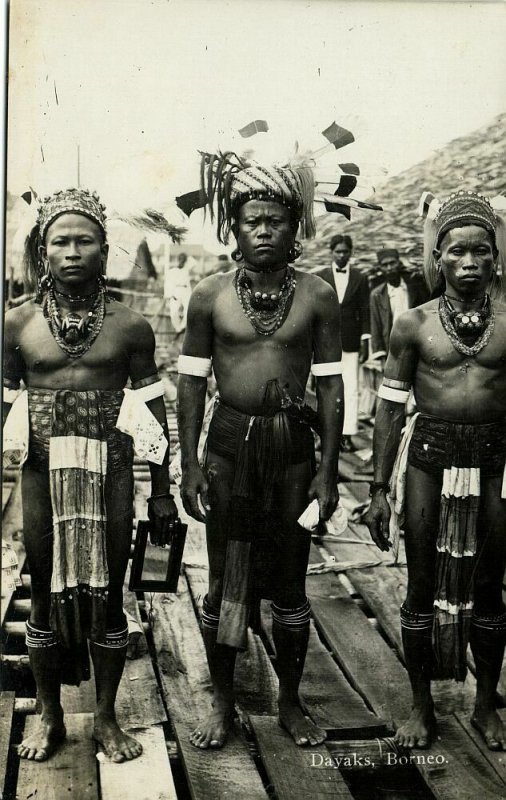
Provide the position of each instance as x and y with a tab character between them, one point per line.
437	350
232	327
42	355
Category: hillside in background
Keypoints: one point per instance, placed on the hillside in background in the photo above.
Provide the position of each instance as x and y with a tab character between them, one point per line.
476	161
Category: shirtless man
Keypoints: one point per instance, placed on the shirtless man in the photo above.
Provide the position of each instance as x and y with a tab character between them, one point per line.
75	373
262	327
452	350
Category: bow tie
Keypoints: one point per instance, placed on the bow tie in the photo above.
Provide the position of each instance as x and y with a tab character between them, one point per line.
340	269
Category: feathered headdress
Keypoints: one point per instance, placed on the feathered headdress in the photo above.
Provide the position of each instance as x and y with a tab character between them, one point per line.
461	208
227	180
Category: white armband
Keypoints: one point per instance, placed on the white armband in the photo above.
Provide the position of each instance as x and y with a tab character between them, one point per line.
327	368
395	395
193	365
149	392
10	395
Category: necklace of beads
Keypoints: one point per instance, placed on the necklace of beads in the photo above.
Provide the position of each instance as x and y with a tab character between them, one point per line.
471	323
265	311
77	298
73	333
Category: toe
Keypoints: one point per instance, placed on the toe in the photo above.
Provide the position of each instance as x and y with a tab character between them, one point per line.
117	757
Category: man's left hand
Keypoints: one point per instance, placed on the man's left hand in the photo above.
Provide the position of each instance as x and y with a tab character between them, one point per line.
363	353
324	488
162	513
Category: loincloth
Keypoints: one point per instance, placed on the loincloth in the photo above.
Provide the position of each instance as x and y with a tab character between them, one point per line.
261	448
459	455
484	445
73	438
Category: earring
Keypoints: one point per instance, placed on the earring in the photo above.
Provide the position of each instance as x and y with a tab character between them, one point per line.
295	251
44	282
236	255
102	286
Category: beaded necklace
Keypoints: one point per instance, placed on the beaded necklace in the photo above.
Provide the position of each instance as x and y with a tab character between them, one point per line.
73	333
77	298
458	323
266	312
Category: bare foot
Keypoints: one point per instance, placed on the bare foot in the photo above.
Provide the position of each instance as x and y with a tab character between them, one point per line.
419	730
489	725
301	728
117	744
213	731
41	744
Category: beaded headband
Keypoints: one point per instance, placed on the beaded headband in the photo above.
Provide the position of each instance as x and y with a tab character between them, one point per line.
70	201
466	207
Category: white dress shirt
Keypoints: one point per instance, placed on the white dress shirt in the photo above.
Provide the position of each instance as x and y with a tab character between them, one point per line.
398	296
341	280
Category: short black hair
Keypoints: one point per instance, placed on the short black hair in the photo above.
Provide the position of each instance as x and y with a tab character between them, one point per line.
341	238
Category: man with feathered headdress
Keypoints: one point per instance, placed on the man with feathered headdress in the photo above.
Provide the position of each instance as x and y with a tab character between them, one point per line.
445	483
73	426
260	328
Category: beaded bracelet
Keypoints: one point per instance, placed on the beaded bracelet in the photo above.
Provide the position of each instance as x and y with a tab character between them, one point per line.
377	486
162	494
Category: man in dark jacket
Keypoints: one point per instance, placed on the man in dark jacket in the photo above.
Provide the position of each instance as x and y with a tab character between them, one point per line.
390	299
352	291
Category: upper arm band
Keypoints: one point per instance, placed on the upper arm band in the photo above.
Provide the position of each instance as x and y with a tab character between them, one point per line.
193	365
9	395
327	368
395	395
149	392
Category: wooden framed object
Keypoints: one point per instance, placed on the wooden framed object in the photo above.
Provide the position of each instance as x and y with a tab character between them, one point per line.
154	568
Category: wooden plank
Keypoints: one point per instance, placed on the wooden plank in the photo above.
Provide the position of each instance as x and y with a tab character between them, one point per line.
181	656
326	694
457	770
356	646
293	771
497	759
144	778
365	658
70	772
6	715
329	698
219	774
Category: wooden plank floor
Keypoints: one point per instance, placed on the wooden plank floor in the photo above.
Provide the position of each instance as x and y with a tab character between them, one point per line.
355	686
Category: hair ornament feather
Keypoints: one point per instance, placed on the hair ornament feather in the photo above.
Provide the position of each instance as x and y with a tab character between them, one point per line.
227	180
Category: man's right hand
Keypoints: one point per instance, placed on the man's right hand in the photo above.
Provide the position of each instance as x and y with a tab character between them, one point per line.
377	519
194	484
